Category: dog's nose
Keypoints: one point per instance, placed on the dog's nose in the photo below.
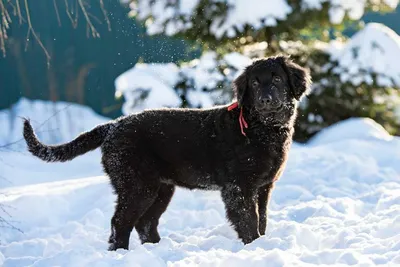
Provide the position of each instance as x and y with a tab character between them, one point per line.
267	100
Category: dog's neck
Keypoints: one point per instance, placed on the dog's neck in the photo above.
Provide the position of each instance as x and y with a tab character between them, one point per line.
271	120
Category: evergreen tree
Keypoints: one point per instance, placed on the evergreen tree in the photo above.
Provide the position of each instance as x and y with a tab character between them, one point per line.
346	81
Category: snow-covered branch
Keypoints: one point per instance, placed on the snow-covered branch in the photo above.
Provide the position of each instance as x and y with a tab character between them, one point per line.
373	52
230	18
370	56
201	82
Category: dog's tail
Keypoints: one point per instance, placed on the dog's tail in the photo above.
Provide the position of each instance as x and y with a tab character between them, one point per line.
82	144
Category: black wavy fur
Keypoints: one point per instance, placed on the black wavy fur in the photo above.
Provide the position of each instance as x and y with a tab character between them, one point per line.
147	154
84	143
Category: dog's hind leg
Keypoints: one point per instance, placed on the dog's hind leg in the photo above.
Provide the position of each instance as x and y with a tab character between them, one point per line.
147	224
264	194
131	204
241	210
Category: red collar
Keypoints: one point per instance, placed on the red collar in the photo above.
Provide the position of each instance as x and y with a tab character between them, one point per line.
242	122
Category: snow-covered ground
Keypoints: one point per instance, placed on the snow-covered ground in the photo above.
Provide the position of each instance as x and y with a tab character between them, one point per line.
53	123
337	204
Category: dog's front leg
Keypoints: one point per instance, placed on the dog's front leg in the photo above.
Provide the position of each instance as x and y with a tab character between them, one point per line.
241	210
264	194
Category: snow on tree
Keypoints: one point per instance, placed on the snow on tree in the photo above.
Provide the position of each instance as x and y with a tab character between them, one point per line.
202	82
373	50
148	86
216	21
362	78
352	78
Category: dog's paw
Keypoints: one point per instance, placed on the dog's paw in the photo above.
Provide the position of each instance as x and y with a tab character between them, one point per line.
115	246
248	239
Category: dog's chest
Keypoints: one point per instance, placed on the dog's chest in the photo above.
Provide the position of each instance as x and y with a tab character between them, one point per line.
263	162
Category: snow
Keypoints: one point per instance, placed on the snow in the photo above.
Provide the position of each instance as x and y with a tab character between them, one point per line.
373	50
164	82
258	14
369	57
237	60
338	8
174	20
337	203
54	123
162	17
354	128
203	71
163	13
154	82
354	9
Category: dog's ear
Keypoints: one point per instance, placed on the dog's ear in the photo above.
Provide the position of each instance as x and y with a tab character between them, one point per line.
299	77
240	85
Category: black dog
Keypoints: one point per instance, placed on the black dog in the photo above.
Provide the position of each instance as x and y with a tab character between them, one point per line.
240	150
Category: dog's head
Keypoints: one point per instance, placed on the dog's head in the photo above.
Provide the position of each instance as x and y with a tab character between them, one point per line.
272	86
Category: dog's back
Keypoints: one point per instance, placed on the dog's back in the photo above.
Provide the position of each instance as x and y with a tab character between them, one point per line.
187	147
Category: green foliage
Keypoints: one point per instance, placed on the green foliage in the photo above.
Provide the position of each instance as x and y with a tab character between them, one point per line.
302	35
333	100
301	23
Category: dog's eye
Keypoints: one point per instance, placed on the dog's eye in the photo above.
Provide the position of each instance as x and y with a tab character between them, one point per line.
277	79
254	83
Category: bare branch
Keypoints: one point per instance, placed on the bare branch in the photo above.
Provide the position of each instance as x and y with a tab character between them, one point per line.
7	224
43	123
13	6
7	146
95	18
16	10
19	12
73	21
3	36
7	164
72	13
31	30
58	15
89	22
105	15
4	25
4	178
2	208
4	15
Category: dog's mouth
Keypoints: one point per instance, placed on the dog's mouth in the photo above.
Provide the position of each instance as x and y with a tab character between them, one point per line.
270	109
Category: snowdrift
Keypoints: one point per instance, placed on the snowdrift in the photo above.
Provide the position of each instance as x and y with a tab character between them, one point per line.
54	123
352	129
337	204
